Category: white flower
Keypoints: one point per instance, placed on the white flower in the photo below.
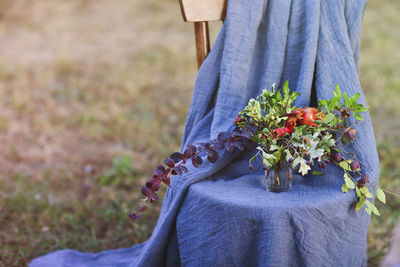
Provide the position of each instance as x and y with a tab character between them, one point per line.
304	168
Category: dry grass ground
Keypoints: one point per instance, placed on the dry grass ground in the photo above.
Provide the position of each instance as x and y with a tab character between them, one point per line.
84	82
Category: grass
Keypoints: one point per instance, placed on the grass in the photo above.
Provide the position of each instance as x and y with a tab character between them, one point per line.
79	91
380	78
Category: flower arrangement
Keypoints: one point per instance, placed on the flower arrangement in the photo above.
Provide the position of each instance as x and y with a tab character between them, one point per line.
281	132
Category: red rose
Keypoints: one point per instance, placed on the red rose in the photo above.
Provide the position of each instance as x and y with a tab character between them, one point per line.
279	131
288	130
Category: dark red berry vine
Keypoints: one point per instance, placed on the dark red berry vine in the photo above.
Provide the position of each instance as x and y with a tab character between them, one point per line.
175	164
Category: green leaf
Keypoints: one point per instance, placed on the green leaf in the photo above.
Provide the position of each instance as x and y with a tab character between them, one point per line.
317	173
272	88
331	105
277	155
337	92
350	184
253	158
288	155
360	203
366	192
278	96
372	207
268	159
368	210
358	117
345	188
355	96
256	139
344	140
329	117
296	162
313	151
344	165
358	192
381	195
328	140
273	147
285	89
323	105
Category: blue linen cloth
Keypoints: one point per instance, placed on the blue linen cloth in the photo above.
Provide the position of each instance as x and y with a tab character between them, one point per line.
220	214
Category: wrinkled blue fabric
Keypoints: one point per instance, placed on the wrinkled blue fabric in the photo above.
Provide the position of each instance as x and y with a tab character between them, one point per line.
220	214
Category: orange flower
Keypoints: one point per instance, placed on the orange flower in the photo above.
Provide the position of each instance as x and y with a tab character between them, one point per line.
293	117
298	113
310	115
306	116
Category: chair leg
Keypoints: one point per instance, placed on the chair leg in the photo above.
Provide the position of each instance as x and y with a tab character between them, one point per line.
202	41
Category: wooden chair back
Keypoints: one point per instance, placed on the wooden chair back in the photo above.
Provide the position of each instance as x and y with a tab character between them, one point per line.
201	12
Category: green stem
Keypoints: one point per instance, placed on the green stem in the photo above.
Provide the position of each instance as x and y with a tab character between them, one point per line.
387	191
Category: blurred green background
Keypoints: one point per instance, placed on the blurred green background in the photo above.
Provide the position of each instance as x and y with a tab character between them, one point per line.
93	94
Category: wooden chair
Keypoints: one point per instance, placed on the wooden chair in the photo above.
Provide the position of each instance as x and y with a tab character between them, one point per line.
201	12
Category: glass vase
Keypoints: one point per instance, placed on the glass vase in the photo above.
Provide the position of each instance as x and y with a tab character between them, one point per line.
280	177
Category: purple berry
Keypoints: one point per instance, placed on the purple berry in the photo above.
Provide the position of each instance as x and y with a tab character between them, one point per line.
364	177
265	168
337	157
363	180
322	165
354	165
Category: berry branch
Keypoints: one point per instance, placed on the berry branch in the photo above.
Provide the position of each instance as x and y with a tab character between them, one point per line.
175	164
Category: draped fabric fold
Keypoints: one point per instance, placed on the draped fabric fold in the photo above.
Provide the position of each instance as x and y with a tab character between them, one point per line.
219	214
